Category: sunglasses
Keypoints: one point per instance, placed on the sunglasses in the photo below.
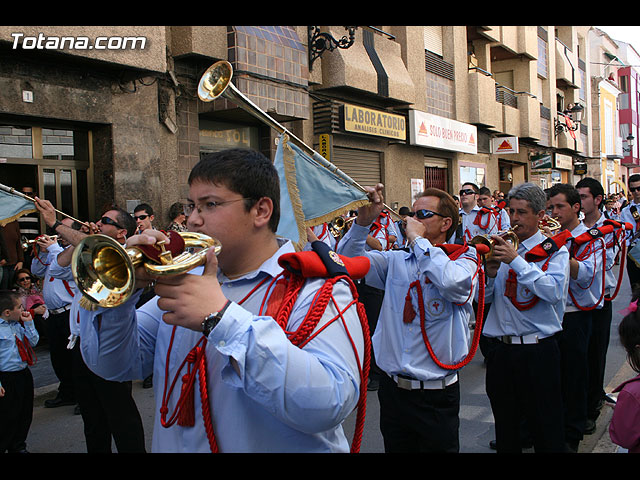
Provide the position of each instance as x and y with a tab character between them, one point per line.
109	221
634	189
140	217
23	279
424	213
467	191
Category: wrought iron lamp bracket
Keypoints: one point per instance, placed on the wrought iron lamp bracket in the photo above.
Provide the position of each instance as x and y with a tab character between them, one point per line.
319	42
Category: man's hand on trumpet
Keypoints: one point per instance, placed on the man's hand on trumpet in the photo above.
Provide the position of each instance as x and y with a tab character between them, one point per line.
186	298
503	252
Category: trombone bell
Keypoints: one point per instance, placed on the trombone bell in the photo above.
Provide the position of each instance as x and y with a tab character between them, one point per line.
215	81
104	270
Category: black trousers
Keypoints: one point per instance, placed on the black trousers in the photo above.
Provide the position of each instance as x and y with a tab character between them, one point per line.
523	385
108	410
573	341
16	409
61	357
371	298
597	357
419	420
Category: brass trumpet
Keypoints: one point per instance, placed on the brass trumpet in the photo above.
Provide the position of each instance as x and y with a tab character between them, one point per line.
485	239
338	226
104	270
550	223
29	243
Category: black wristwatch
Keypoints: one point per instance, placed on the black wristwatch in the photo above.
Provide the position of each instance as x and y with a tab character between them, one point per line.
56	225
213	319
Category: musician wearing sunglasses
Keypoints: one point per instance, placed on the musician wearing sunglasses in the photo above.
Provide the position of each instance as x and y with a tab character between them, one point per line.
472	221
143	215
527	289
428	299
108	409
631	214
262	374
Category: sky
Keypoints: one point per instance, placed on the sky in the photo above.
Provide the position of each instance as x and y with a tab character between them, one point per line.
626	33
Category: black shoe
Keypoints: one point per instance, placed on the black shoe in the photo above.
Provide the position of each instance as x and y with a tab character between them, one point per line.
590	427
493	445
76	410
58	402
373	385
148	382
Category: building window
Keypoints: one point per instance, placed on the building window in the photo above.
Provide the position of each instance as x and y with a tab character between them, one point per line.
472	174
542	58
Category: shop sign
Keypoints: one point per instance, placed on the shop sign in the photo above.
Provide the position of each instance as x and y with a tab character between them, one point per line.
564	162
504	145
324	146
541	162
429	130
374	122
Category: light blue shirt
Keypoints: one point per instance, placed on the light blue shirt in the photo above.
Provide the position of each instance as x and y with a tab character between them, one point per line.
610	279
10	360
551	286
285	398
54	291
65	273
587	287
627	216
448	298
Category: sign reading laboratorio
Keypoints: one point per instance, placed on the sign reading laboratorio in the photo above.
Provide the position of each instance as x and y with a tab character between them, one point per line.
430	130
374	122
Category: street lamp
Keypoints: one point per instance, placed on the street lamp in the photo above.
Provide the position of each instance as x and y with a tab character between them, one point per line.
572	119
630	143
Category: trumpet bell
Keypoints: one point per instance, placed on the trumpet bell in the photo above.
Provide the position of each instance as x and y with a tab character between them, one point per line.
214	81
508	235
104	270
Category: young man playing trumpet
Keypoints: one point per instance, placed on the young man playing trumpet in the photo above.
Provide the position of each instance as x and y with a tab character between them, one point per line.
249	384
527	289
108	410
428	298
585	293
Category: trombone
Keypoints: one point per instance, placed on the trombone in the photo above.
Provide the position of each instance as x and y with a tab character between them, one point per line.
216	82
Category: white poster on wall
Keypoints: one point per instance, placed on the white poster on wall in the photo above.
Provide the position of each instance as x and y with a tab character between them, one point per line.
417	187
428	130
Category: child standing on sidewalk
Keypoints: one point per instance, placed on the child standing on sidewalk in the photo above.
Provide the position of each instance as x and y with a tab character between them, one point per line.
624	428
17	335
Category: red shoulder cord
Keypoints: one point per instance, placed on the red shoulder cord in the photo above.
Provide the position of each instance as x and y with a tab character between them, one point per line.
478	219
196	357
479	319
582	257
622	254
511	289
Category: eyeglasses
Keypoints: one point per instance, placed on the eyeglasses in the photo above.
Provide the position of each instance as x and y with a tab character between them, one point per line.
467	191
424	213
109	221
140	217
208	206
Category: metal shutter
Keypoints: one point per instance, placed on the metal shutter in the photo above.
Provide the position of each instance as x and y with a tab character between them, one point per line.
361	165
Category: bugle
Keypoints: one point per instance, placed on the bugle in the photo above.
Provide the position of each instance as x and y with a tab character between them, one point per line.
29	243
551	223
104	270
216	82
485	239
